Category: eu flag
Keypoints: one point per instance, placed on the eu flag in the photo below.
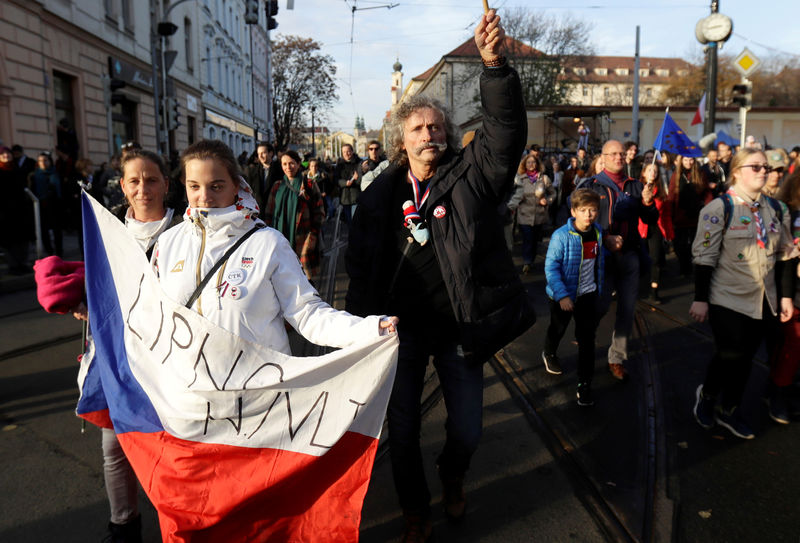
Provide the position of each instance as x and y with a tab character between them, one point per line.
673	139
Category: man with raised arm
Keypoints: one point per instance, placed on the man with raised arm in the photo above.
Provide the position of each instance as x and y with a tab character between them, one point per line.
427	242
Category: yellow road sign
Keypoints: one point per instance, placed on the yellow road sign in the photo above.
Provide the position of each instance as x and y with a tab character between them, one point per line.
746	62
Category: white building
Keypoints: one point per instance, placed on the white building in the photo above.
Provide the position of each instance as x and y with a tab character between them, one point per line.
234	97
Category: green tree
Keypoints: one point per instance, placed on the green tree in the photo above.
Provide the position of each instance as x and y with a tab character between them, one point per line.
302	78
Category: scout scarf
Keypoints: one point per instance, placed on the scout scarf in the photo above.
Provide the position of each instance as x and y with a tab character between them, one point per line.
761	230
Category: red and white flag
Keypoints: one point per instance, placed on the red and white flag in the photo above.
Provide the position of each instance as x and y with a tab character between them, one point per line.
700	114
231	441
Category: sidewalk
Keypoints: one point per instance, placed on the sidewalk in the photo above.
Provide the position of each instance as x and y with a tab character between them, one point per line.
15	283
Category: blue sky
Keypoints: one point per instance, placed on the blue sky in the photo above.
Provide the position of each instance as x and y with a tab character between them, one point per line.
419	32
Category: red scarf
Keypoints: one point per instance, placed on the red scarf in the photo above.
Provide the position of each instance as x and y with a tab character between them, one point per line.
618	178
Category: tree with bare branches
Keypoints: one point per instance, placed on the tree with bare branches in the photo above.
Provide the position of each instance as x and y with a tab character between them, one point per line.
302	78
555	39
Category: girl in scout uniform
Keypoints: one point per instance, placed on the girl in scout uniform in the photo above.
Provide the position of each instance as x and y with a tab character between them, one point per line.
740	237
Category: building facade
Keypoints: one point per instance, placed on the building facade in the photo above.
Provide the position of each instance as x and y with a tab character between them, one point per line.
233	83
58	59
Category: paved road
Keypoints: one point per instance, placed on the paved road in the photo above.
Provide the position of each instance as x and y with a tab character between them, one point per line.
637	453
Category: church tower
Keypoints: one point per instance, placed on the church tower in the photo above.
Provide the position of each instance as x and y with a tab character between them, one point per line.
397	82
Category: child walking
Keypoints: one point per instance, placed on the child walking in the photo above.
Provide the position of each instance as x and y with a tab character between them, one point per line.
574	271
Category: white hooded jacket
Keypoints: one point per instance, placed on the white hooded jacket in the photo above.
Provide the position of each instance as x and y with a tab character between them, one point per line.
260	285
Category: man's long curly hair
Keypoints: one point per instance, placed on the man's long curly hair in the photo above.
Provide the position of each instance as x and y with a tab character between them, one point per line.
401	112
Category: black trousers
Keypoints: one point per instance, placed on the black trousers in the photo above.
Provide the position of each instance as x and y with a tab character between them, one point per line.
684	237
655	245
736	341
585	314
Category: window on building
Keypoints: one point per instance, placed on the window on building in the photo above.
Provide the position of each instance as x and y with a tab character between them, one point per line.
649	92
187	43
586	91
644	72
606	92
127	15
63	92
579	71
226	83
212	133
123	122
110	9
601	71
190	128
209	82
628	92
621	71
662	72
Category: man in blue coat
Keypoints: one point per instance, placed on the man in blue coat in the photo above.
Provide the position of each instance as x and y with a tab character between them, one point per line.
623	201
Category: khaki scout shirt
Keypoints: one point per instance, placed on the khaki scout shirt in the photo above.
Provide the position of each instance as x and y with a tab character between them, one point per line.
743	272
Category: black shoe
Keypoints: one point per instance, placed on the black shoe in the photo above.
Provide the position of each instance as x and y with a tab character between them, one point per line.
130	532
585	395
778	407
418	529
703	409
453	497
551	363
733	421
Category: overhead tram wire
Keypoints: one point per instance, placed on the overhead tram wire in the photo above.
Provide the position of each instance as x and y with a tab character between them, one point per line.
353	10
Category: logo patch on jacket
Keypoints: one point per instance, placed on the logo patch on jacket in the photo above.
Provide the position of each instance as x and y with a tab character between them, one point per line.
177	267
439	212
247	262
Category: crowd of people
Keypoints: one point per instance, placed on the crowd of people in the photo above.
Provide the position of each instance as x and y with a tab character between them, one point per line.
430	238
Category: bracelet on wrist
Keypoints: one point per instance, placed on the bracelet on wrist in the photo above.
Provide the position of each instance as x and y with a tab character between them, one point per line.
495	63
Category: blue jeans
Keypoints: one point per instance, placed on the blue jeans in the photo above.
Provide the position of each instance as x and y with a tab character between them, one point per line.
462	388
531	236
622	276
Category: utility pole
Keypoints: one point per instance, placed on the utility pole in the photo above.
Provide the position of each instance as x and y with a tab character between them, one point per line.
635	127
313	133
711	81
154	40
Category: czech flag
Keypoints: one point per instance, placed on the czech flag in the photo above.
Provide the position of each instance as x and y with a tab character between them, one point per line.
230	440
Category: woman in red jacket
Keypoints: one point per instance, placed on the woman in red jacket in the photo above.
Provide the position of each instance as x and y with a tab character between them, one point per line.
656	236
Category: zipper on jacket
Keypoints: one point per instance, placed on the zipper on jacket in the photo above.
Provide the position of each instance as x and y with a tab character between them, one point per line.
198	275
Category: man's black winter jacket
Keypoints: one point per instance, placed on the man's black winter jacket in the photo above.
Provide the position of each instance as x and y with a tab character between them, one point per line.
488	298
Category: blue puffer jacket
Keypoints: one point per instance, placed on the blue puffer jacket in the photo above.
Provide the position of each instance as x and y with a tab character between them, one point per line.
562	267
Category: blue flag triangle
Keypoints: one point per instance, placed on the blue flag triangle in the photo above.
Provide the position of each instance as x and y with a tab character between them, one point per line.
673	139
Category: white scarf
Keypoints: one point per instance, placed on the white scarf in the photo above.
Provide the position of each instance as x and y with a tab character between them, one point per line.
146	233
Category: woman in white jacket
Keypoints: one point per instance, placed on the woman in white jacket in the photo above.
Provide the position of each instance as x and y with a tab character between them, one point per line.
533	196
144	183
261	284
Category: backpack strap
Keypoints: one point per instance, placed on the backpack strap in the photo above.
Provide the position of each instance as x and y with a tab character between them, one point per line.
220	262
776	205
727	203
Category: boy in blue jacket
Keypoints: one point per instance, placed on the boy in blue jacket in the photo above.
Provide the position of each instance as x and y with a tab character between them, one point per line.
574	271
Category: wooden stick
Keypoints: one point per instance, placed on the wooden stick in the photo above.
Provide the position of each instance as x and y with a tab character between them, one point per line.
486	6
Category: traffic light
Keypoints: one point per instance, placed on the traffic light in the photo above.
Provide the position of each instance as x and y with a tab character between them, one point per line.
272	10
251	12
173	115
742	95
116	97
